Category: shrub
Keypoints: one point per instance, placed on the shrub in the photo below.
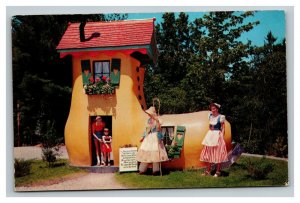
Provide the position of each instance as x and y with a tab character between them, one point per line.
51	144
22	167
259	169
280	147
50	155
251	146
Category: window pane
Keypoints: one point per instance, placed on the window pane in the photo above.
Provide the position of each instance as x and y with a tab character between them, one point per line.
163	130
101	69
106	67
98	70
171	133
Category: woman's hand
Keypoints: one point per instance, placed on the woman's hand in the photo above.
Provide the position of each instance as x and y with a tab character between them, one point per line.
158	126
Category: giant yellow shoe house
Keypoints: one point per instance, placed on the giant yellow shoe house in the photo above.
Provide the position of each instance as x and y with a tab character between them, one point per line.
119	50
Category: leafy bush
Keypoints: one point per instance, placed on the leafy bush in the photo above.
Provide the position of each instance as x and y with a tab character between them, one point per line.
251	146
50	155
258	169
22	167
280	147
51	144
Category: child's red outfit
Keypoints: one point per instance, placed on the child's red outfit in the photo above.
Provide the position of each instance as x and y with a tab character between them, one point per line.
106	147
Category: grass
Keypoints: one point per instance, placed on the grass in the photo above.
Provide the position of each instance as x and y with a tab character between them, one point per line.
41	174
235	176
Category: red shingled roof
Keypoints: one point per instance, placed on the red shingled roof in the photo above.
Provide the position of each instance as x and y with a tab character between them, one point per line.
112	34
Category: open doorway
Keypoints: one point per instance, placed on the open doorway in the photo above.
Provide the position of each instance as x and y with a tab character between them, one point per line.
108	159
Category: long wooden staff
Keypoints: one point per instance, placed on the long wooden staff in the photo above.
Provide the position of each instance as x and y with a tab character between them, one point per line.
101	141
158	101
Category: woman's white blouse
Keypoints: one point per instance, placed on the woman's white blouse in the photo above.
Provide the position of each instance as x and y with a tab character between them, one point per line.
213	120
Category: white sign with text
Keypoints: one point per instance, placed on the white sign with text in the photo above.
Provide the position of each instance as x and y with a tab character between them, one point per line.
127	157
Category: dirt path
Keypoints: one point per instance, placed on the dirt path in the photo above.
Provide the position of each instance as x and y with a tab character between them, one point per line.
90	181
87	181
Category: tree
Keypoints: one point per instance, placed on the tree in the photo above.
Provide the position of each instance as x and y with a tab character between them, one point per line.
205	61
258	108
218	54
269	64
174	47
41	80
162	81
194	58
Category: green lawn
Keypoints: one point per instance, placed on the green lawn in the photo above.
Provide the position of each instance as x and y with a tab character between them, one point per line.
40	173
235	176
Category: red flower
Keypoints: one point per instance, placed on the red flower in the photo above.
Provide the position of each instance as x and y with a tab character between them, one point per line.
104	78
97	79
108	79
91	79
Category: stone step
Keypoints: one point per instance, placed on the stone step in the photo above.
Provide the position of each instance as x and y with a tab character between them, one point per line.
99	169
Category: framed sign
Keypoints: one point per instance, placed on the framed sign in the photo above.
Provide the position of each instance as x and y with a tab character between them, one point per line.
128	159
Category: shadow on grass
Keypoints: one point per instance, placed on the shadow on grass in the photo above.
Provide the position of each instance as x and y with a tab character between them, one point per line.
58	164
53	165
149	172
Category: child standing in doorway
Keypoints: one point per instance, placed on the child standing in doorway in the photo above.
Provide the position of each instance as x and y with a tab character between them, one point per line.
106	146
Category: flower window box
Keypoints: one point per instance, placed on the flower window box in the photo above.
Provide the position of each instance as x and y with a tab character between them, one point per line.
99	86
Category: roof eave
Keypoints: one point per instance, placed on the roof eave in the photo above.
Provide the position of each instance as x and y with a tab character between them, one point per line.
112	48
149	50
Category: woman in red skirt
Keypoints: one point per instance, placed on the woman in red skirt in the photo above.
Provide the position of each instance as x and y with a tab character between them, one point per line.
106	146
97	129
214	150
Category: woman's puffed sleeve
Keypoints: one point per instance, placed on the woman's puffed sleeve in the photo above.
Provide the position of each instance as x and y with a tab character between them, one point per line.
208	115
222	119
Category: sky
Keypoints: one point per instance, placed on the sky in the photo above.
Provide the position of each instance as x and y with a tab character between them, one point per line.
273	20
